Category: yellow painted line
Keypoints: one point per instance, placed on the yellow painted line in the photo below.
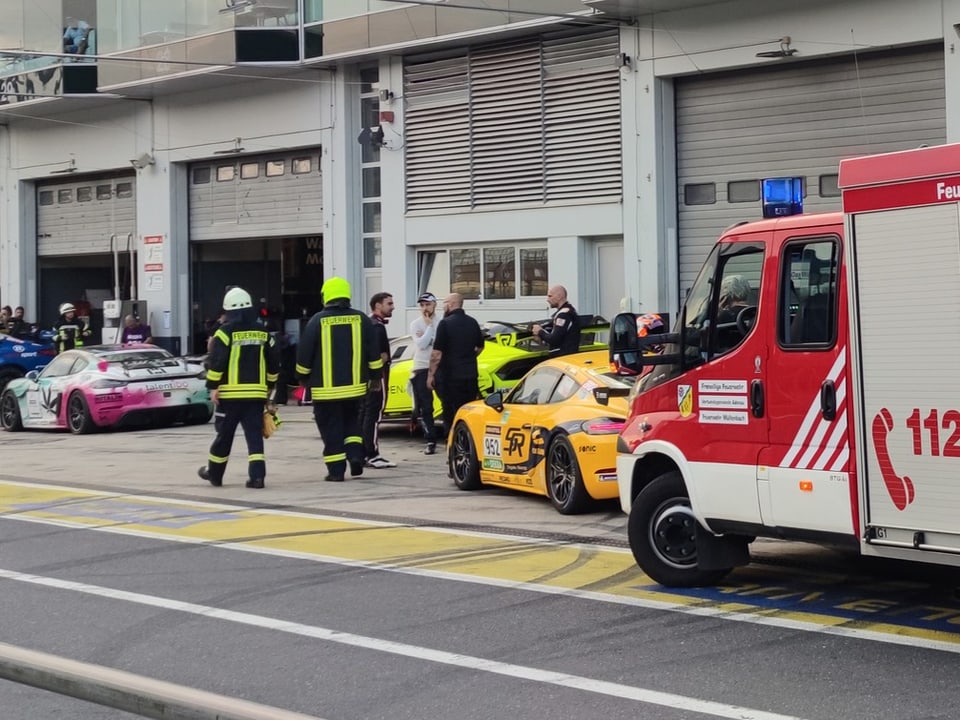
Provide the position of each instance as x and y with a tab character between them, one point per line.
582	570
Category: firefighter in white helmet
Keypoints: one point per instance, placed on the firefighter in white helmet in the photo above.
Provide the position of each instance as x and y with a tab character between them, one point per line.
70	330
242	369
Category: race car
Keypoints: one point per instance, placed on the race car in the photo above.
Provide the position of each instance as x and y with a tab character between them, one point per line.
20	356
554	434
107	386
511	350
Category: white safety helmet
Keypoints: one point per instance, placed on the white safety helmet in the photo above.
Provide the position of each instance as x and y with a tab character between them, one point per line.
67	307
237	299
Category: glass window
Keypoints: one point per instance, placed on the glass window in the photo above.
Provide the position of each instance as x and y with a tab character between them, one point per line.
370	79
371	182
59	366
64	196
201	175
465	272
275	168
225	173
124	190
372	255
104	192
249	171
84	194
499	268
535	388
566	388
371	217
302	166
807	308
700	194
828	186
533	272
46	197
737	296
743	191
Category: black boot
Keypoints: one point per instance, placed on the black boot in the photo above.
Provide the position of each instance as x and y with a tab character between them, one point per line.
204	473
255	483
334	478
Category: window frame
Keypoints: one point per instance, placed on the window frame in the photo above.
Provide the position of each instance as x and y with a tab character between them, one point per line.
834	310
482	249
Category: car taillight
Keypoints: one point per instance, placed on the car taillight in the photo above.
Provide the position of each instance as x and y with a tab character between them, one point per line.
602	426
107	383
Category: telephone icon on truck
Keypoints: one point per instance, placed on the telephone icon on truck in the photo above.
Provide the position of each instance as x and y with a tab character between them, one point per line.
900	488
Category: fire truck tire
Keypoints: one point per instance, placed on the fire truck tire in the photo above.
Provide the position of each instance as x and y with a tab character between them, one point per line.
464	465
564	480
663	535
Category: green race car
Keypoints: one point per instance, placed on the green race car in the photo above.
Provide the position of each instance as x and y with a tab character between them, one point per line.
511	351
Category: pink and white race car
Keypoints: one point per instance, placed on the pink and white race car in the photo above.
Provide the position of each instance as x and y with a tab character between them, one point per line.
108	386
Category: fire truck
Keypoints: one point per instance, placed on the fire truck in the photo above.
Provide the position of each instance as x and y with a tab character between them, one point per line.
809	387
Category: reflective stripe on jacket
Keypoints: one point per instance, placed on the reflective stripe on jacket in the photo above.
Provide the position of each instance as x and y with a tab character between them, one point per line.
244	362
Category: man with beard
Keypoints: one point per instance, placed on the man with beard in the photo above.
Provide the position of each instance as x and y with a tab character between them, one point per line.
371	411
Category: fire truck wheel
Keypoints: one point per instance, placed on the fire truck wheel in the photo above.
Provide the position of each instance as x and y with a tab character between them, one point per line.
564	480
464	466
663	534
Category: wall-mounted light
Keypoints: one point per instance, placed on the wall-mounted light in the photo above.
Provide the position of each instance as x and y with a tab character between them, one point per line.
143	160
624	61
386	95
784	51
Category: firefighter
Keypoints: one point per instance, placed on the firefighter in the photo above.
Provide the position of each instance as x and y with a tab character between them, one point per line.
70	330
242	369
336	357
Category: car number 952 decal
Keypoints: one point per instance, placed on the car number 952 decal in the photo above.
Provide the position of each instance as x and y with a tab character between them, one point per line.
492	448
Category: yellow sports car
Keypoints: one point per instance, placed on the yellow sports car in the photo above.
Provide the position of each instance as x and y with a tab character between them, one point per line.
510	352
554	434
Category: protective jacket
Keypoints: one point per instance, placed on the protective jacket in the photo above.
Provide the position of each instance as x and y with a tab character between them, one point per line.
338	353
244	362
70	333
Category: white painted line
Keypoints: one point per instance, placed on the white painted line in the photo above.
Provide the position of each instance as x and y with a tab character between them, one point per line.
469	662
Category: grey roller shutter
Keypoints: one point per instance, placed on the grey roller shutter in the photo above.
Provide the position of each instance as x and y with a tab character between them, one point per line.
77	217
275	195
796	120
530	121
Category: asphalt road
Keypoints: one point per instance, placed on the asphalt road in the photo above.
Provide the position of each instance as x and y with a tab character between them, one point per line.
396	596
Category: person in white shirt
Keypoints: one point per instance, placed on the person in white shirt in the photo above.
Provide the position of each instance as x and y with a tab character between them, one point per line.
423	330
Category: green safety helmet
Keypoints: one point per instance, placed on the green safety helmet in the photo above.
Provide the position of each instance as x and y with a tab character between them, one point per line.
237	299
336	288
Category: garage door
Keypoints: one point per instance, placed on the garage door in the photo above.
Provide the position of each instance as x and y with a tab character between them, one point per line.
78	217
275	195
798	119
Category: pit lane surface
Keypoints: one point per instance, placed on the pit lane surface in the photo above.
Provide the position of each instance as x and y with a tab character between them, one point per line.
345	618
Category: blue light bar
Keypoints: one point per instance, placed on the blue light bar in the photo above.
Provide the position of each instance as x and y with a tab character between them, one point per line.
781	196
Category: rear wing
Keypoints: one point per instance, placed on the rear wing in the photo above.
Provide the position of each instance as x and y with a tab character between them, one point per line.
510	334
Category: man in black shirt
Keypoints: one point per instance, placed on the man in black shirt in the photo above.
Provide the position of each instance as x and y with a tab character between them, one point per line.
371	410
563	333
453	362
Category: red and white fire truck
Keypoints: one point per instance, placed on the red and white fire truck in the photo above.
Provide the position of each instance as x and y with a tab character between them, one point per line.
810	388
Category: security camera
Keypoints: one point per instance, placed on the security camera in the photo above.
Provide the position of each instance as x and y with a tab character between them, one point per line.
142	161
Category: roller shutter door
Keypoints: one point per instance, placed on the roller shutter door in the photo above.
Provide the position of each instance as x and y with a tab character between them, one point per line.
77	217
276	195
794	120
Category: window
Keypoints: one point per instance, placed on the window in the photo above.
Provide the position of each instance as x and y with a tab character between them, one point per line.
807	308
535	388
465	273
737	295
84	194
275	168
201	175
59	366
499	268
533	272
124	190
371	217
493	271
743	191
565	389
226	173
46	197
371	182
828	186
700	194
104	192
64	196
249	171
372	257
301	166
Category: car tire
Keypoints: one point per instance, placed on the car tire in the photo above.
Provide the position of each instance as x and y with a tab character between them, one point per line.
79	420
564	480
10	417
464	465
8	374
662	531
199	417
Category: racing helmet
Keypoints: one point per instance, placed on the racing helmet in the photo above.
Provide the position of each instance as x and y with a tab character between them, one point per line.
651	324
67	307
237	299
335	288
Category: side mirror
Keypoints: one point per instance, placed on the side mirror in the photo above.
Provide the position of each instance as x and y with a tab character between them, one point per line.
494	400
624	343
32	375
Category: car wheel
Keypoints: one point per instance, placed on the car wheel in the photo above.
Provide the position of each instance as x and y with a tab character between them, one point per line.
79	419
8	374
199	417
464	466
662	531
10	412
564	480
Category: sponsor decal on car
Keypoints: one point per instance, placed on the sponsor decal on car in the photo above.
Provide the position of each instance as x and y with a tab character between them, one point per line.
166	385
107	397
492	449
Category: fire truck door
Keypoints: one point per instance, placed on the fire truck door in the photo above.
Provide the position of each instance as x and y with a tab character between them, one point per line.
802	476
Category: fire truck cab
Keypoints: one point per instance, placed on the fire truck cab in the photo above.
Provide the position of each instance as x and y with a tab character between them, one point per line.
809	387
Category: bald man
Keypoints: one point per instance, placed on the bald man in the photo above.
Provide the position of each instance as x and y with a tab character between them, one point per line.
453	362
562	334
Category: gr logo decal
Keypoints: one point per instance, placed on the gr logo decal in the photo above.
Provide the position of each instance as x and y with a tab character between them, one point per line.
516	439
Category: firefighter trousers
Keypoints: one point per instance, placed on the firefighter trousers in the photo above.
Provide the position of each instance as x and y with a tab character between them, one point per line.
339	424
249	415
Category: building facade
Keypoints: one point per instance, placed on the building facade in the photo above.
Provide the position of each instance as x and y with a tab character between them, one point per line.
162	150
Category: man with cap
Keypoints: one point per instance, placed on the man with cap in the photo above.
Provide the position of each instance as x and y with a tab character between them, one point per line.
242	370
336	356
423	330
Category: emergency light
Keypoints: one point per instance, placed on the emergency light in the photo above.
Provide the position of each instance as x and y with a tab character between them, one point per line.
781	196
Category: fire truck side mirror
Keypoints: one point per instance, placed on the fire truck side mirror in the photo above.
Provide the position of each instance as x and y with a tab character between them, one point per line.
624	344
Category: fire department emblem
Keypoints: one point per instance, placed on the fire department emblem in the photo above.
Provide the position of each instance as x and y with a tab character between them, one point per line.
685	400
